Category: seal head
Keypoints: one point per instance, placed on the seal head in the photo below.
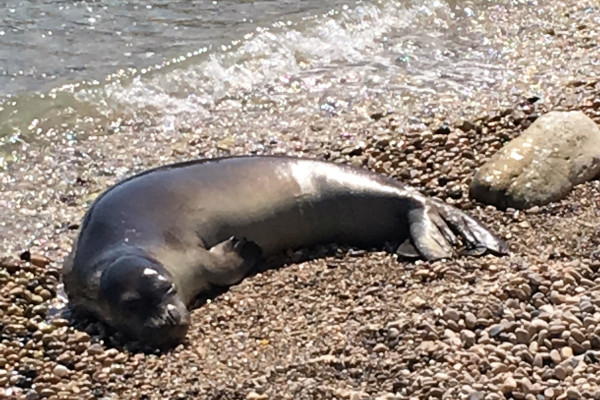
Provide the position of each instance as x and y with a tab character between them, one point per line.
141	300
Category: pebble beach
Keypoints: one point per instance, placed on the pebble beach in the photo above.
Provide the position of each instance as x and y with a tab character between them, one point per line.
337	323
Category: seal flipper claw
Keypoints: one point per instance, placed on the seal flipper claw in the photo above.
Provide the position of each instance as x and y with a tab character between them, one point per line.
231	260
444	228
476	237
477	251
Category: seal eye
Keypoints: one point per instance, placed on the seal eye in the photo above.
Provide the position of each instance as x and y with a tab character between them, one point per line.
164	286
131	301
132	304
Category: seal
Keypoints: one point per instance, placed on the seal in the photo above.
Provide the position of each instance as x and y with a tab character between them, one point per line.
150	244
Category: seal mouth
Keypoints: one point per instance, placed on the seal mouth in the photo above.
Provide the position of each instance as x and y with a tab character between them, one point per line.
164	337
168	329
174	316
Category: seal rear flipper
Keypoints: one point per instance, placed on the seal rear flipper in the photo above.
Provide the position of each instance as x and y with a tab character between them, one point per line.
476	237
427	237
407	250
231	261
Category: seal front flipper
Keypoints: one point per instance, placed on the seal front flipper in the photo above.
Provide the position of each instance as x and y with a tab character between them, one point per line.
231	261
426	235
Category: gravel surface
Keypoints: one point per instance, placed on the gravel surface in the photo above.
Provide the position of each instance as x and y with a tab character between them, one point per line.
348	324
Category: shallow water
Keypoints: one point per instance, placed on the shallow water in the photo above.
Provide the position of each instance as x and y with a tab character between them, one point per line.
71	69
45	44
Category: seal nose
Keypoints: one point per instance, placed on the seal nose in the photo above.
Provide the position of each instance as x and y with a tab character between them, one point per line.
176	316
170	329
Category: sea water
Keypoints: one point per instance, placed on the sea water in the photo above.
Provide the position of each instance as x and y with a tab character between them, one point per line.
71	68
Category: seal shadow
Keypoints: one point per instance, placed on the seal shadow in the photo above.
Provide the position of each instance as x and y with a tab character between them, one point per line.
289	258
102	333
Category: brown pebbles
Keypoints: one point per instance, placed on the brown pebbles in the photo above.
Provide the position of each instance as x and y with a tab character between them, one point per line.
349	324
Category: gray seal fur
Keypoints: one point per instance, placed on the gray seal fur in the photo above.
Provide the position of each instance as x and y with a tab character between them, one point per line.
150	244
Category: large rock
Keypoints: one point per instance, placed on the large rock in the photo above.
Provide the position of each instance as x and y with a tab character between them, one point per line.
558	151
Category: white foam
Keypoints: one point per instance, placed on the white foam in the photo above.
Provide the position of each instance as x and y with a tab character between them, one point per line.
188	89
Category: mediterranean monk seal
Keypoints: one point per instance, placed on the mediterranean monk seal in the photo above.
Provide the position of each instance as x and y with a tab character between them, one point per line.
150	244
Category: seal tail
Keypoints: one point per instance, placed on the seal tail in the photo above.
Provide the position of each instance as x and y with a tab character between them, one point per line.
434	229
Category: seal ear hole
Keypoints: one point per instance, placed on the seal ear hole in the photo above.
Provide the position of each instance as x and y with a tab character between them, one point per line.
133	303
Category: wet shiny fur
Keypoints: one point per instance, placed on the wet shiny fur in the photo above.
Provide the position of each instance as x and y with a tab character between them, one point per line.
162	237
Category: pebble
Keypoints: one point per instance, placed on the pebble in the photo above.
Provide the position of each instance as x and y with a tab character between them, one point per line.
47	392
470	327
560	372
555	356
476	395
566	352
495	330
577	335
380	348
418	302
537	324
451	314
556	329
587	307
467	337
256	396
470	320
95	349
61	371
509	385
32	395
573	393
522	335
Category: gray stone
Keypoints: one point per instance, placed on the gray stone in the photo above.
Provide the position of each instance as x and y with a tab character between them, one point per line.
470	320
451	315
573	393
558	151
61	371
95	349
468	337
522	335
509	385
476	396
